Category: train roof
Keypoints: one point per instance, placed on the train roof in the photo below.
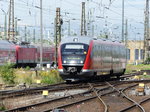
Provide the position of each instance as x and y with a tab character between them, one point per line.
4	44
76	39
85	39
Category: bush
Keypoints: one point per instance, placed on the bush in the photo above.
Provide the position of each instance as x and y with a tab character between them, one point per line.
7	73
2	108
28	80
50	77
27	68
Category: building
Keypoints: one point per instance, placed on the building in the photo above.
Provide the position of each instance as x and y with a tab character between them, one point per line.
135	51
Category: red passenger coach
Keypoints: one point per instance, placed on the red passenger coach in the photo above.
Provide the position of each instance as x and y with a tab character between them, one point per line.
85	57
47	54
26	55
7	52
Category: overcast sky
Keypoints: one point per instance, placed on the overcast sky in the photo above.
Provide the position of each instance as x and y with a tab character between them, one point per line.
109	11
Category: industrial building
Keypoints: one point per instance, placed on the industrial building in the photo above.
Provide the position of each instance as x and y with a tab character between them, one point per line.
135	51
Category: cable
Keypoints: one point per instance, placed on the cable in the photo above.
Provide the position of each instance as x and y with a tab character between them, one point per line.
133	5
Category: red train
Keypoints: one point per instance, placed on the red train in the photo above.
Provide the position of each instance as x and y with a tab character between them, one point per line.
7	52
85	57
23	55
48	54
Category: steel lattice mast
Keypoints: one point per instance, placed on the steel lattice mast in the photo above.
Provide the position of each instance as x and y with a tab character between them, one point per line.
11	30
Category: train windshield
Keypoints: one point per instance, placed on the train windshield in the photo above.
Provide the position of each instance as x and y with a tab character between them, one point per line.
74	48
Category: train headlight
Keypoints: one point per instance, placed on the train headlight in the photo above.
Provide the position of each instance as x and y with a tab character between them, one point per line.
65	61
81	61
72	62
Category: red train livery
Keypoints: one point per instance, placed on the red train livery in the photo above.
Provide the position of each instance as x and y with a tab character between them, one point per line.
85	57
7	52
48	54
24	55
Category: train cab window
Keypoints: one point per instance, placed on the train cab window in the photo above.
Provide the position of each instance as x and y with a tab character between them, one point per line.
72	48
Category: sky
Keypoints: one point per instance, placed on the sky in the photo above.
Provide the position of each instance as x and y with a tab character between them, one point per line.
105	15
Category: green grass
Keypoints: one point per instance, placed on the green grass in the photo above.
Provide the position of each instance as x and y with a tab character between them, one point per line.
20	75
145	76
130	67
29	77
2	108
7	73
50	77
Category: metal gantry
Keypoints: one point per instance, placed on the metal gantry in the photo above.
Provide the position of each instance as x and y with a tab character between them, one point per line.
11	30
41	43
83	20
58	23
146	33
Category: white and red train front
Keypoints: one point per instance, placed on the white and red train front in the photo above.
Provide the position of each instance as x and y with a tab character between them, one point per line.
84	57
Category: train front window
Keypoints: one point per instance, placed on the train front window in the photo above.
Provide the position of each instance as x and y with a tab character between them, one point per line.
74	49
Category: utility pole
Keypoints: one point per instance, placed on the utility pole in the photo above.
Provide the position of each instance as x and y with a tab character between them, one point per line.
5	25
25	33
83	21
88	20
41	24
146	32
34	35
122	20
58	23
126	33
11	31
92	30
88	24
68	27
16	26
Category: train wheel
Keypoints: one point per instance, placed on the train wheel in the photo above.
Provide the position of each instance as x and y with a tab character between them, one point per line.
111	72
118	76
68	81
95	74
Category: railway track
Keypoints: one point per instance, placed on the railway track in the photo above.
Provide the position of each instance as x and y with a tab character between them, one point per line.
57	103
121	92
77	99
140	102
5	92
54	101
37	90
96	90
